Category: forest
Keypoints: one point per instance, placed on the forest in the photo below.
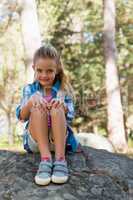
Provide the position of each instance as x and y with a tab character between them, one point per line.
95	41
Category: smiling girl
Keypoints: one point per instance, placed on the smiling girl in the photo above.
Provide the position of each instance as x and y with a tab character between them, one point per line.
47	109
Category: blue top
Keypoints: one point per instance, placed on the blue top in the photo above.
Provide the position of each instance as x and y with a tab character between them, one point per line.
71	142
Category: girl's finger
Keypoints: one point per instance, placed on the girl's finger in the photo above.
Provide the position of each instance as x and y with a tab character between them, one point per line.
44	101
48	106
61	103
53	101
34	103
44	106
55	104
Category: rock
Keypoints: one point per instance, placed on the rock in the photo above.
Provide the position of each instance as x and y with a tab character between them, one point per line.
94	175
95	141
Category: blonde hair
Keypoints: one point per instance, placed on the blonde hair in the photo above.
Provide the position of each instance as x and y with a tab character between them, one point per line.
48	51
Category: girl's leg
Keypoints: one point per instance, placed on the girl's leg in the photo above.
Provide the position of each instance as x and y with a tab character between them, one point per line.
60	170
38	128
58	121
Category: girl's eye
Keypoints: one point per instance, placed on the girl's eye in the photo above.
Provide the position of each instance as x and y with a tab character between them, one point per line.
49	70
39	70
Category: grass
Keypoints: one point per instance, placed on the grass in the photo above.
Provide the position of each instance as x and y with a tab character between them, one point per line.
130	143
16	146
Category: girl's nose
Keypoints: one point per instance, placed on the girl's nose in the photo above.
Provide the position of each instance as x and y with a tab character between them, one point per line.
44	74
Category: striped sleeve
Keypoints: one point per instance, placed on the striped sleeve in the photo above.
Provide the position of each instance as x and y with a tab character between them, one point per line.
26	94
70	106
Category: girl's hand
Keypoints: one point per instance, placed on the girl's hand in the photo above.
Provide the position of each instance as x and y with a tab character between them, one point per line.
56	103
38	101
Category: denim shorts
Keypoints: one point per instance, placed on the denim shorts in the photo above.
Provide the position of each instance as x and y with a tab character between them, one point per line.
31	146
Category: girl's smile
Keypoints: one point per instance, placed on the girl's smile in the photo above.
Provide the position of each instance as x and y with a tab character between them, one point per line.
44	79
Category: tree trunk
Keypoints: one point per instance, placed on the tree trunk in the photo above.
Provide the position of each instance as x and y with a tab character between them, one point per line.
114	106
30	34
9	130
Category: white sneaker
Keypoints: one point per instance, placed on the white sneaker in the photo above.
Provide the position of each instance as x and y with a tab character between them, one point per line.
43	176
60	172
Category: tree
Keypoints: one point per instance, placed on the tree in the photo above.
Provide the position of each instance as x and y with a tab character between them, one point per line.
10	59
30	33
8	84
114	106
29	27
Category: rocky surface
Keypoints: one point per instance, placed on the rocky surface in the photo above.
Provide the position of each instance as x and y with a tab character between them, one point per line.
94	175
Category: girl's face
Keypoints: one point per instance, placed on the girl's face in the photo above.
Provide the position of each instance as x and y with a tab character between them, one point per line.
45	71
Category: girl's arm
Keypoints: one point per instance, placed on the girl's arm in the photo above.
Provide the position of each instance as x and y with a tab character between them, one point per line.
25	111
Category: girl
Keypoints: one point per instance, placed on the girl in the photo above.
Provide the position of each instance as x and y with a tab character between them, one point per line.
47	109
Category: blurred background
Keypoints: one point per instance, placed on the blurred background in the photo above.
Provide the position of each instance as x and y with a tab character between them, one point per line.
75	28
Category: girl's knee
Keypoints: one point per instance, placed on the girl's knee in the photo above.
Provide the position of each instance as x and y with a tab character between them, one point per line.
56	111
37	112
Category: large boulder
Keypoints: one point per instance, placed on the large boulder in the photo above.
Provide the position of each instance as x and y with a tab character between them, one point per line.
95	140
94	175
